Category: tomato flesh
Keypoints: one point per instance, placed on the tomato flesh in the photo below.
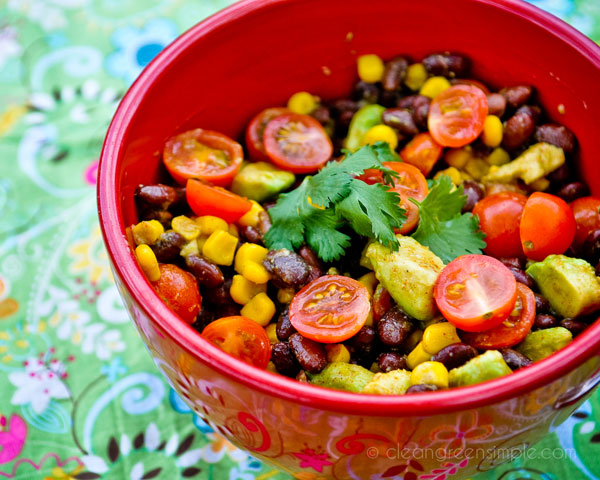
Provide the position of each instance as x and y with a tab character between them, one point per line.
511	331
330	309
410	184
297	143
475	292
456	115
204	154
179	290
547	226
256	130
205	199
587	216
423	152
241	337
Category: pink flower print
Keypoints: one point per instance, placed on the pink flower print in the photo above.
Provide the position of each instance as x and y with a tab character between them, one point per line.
447	470
12	439
468	427
309	458
91	173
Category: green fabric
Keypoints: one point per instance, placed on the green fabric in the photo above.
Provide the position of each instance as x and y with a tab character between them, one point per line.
73	403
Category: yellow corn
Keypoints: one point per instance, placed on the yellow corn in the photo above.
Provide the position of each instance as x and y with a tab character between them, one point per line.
370	68
333	271
233	230
186	227
458	157
369	321
477	168
271	330
249	262
381	133
434	86
451	172
147	261
190	248
210	224
416	74
413	340
271	367
251	217
431	373
260	309
417	356
255	272
201	240
337	352
302	103
492	131
243	290
285	295
540	184
375	367
465	176
147	232
220	247
369	280
438	336
498	157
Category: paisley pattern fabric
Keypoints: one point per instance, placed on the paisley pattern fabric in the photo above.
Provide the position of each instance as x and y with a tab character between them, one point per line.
80	397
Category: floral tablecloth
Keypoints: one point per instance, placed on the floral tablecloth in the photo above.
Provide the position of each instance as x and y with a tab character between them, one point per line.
79	395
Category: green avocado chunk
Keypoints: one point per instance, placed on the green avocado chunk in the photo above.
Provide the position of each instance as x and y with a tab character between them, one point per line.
569	284
482	368
543	343
408	274
342	376
395	382
261	180
365	118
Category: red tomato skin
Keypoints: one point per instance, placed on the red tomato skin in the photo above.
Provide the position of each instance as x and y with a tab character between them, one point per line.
412	184
179	290
255	132
547	226
208	200
508	333
499	218
422	152
587	216
470	81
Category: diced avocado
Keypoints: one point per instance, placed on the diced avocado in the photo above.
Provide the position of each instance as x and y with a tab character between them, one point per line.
482	368
408	274
569	284
365	118
342	376
261	180
534	163
395	382
543	343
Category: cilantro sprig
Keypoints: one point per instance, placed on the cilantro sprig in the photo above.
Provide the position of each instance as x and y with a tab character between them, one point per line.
315	212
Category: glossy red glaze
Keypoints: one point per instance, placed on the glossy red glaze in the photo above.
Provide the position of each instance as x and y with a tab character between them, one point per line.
277	419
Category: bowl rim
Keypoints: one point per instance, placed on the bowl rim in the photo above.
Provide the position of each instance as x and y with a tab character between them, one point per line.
585	346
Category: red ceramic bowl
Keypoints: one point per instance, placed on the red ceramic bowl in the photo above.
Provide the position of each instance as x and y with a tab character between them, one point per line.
254	55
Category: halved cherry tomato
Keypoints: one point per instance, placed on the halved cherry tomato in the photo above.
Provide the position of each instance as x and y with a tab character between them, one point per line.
205	199
547	226
382	302
499	218
511	331
330	309
203	154
587	216
475	292
179	290
256	129
297	143
423	152
241	337
470	81
456	115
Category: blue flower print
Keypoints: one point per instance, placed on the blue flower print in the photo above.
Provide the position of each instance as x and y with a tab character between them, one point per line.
181	407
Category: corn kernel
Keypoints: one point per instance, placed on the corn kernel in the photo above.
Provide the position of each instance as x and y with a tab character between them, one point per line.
369	280
147	232
271	367
477	168
438	336
370	68
431	373
243	290
285	295
458	157
233	230
201	240
540	184
333	271
417	356
498	157
271	330
337	352
492	131
413	340
147	261
416	74
260	309
220	247
381	133
256	273
252	216
249	252
190	248
370	320
465	176
209	224
451	172
186	227
302	103
375	368
434	86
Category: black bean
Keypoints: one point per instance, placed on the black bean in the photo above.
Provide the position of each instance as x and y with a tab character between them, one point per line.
423	387
207	273
287	268
560	176
391	361
418	106
572	191
573	326
514	359
598	269
168	246
228	310
543	320
542	305
163	216
514	262
496	104
446	65
400	119
394	73
517	130
368	92
284	359
284	328
203	319
533	111
264	223
474	193
522	277
310	257
344	105
555	134
219	295
455	355
394	327
250	234
159	195
517	96
388	99
310	355
363	338
591	247
321	114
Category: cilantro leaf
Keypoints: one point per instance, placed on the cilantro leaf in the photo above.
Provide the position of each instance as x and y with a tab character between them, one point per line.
442	228
323	237
286	231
